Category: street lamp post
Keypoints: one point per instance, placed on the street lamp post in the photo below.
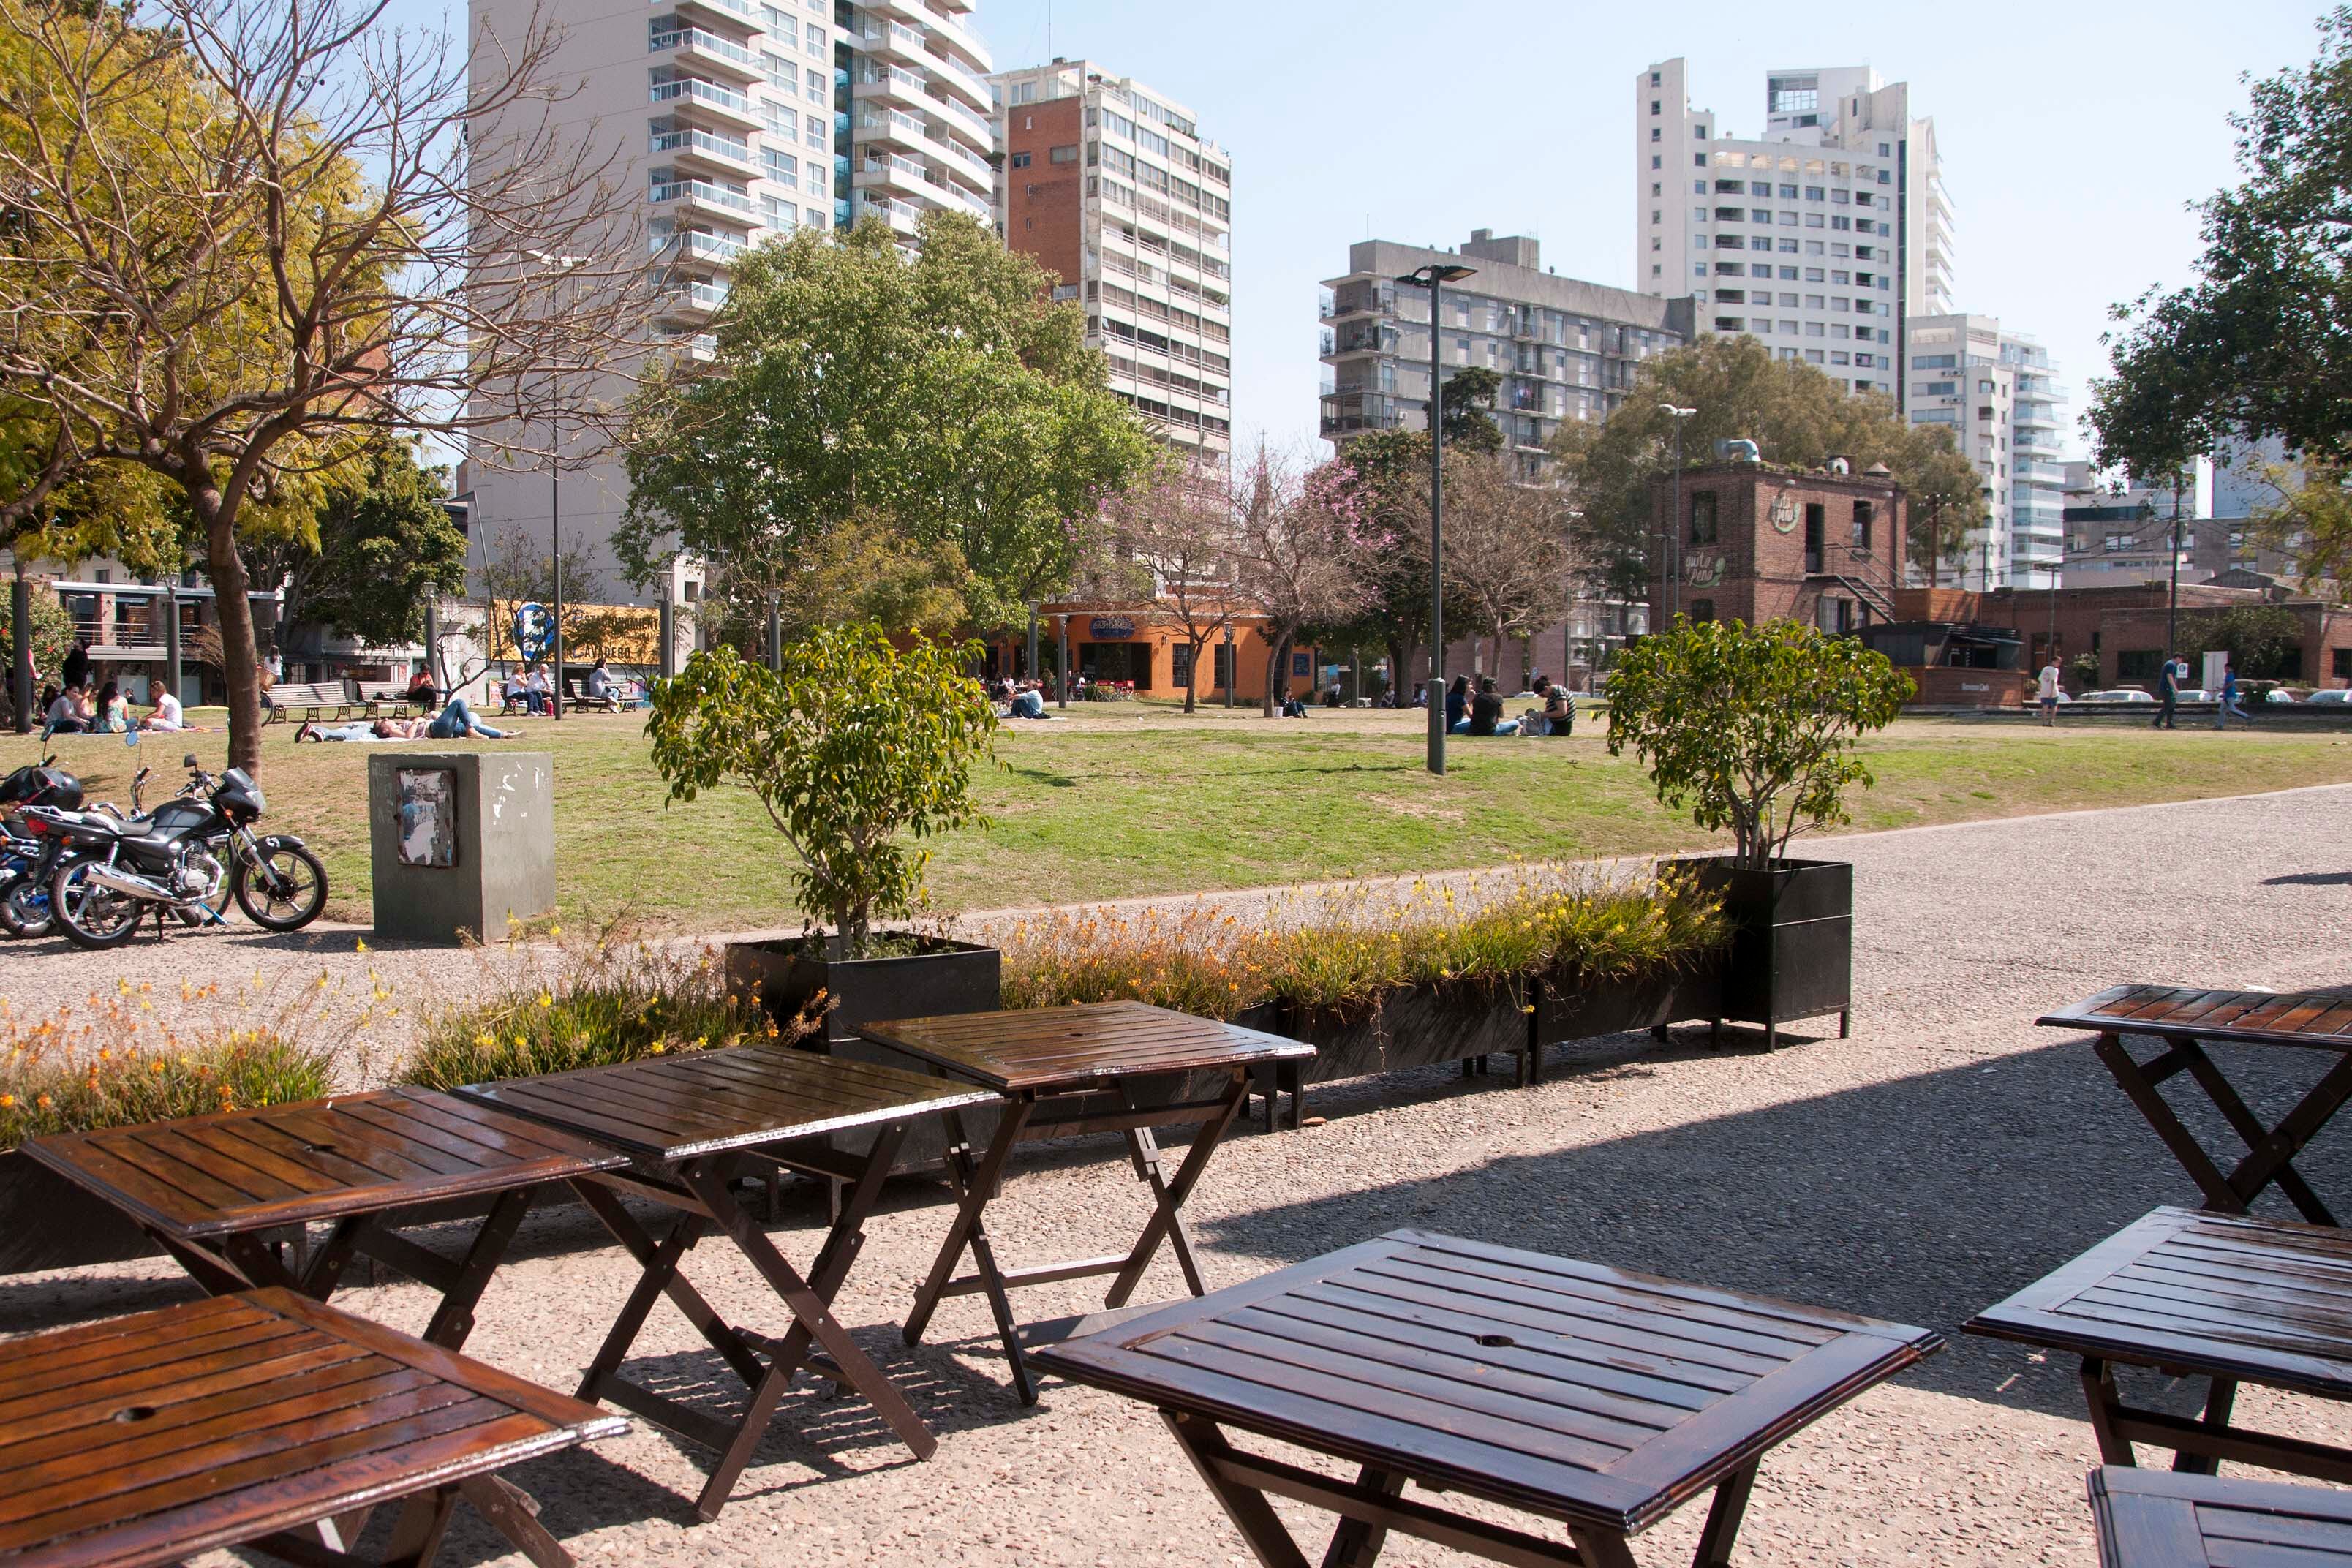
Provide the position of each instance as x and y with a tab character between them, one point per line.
1672	599
1435	276
558	265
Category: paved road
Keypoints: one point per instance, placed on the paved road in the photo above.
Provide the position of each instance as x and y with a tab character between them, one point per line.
1945	1154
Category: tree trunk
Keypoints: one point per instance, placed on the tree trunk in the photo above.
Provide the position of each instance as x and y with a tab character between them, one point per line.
1274	657
240	672
1193	678
1398	678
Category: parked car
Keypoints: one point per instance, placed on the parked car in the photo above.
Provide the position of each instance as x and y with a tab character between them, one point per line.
2196	694
2121	694
2334	697
2280	694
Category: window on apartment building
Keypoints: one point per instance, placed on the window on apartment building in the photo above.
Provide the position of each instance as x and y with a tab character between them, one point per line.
1019	160
819	88
1656	161
1839	198
1653	78
1812	248
1654	108
1698	269
1063	154
1698	159
1024	93
1815	220
1656	244
1789	330
1655	134
1761	188
780	165
1700	132
1886	151
1788	301
1702	517
1788	247
1863	515
1658	270
816	40
1787	220
1984	414
1816	329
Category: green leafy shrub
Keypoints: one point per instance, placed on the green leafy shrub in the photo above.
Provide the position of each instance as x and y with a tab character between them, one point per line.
854	747
1752	728
605	998
117	1061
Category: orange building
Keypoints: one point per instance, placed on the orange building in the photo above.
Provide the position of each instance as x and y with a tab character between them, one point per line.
1148	649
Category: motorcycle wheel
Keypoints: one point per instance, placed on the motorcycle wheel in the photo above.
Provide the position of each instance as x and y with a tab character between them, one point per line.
285	891
25	907
92	915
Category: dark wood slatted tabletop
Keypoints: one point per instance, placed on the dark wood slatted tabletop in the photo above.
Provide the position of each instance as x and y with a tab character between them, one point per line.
2164	1518
1566	1389
151	1438
1049	1049
705	1102
234	1172
2321	1020
2269	1302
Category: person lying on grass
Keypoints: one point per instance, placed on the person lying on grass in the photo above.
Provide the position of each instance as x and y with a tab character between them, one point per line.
454	722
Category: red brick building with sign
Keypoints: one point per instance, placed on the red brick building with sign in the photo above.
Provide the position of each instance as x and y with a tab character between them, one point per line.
1757	542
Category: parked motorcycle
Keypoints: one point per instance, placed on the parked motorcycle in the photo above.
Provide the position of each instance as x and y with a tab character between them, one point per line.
27	859
178	862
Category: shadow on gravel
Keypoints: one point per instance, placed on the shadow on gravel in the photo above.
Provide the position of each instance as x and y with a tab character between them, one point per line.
1920	1200
2310	879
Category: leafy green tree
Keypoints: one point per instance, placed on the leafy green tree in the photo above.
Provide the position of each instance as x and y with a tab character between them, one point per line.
368	556
1462	410
1752	728
2311	519
1796	416
867	571
854	747
2261	640
2255	347
852	377
1947	497
1389	470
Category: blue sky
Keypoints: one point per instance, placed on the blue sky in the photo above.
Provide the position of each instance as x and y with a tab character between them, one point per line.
2072	135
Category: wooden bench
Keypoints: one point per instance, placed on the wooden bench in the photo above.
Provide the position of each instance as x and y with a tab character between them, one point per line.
380	695
572	694
311	703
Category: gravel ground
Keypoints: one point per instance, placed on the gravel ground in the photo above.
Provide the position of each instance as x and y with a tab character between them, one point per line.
1945	1155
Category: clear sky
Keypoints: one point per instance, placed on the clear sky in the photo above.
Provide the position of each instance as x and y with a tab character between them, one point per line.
2072	134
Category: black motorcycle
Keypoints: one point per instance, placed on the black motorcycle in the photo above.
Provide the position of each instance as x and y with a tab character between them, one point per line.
175	863
28	859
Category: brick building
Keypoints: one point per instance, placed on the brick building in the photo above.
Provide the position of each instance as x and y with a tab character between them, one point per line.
1758	542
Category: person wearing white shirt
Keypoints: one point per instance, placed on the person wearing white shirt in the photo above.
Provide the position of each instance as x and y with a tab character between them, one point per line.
2049	692
536	687
168	714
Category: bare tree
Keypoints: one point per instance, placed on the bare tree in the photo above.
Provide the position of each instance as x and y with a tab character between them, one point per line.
242	233
1181	527
1506	550
1297	553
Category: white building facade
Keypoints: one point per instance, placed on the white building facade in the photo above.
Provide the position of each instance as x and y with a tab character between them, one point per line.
738	120
1819	238
1112	187
1997	394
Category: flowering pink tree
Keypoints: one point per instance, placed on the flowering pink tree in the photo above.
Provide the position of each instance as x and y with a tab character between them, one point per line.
1300	551
1180	529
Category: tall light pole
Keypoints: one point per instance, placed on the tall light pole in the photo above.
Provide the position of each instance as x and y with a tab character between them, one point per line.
1433	278
1672	598
558	265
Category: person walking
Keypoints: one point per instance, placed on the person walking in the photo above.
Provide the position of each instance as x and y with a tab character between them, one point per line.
2048	691
2167	692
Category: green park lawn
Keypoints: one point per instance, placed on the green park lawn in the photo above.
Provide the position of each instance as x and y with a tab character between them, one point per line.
1138	799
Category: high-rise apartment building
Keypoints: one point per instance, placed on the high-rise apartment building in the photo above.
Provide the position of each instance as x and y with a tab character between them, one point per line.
738	120
1997	394
1817	236
1564	350
1112	187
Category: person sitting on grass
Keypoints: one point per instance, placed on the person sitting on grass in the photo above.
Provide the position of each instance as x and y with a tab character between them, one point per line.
1486	712
1029	702
1559	710
1458	706
66	714
168	714
111	712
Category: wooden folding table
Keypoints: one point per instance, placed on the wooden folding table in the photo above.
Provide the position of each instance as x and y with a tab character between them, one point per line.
2187	1020
239	1420
2158	1519
1068	1070
1596	1397
2225	1297
689	1123
209	1189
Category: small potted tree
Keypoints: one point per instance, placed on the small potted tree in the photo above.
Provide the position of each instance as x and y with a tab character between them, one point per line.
1755	729
858	750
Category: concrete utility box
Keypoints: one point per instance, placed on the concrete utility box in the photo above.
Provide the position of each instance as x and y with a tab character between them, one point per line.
459	842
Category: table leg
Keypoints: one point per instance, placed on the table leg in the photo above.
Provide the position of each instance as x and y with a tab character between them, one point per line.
1169	1197
1269	1539
2269	1151
810	1311
453	1320
2099	1389
1356	1543
1723	1517
2139	1085
974	1187
660	1277
510	1512
2219	1399
416	1536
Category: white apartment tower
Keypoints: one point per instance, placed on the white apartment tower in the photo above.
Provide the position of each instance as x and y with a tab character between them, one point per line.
1819	238
1112	187
1997	394
739	119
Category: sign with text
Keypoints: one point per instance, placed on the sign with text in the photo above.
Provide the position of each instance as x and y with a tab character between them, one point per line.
1111	628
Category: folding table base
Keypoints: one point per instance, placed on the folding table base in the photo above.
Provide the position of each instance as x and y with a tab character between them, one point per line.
1373	1505
976	1182
706	1201
2270	1151
2200	1445
417	1535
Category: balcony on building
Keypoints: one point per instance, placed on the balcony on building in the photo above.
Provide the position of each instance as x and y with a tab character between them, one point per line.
700	196
689	146
697	99
741	13
958	79
902	216
700	246
691	298
707	50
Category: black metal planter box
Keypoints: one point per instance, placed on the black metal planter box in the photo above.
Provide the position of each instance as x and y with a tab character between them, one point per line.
943	976
47	1222
1791	953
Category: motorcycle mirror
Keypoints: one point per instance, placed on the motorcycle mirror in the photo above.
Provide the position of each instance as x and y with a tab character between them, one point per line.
189	762
131	737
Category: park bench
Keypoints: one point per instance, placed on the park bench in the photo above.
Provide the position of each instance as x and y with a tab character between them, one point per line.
572	695
382	694
313	703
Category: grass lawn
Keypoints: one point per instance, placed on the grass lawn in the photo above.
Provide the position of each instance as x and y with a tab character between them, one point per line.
1138	799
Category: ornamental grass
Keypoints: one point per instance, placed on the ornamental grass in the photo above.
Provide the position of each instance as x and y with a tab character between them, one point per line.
1339	952
600	996
124	1057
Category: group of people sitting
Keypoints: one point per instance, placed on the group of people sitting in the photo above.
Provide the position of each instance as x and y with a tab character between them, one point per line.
76	709
1480	711
533	691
